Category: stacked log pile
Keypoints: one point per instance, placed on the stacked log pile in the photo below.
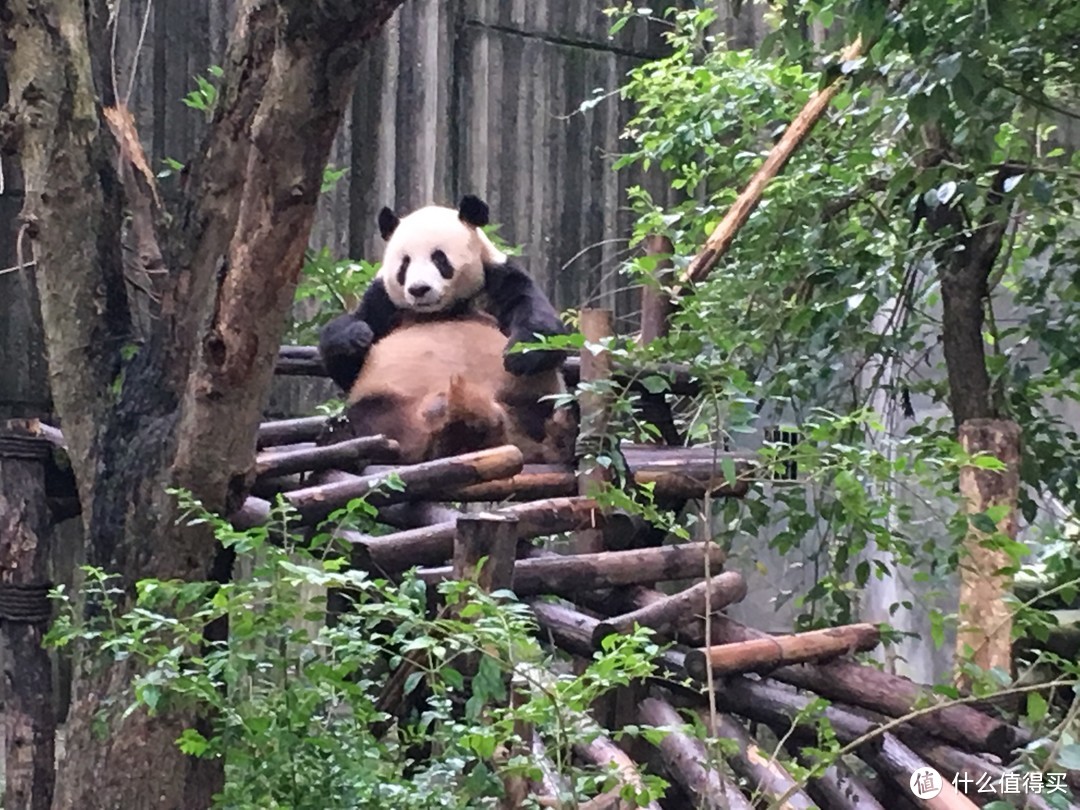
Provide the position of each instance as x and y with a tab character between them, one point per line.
756	694
762	686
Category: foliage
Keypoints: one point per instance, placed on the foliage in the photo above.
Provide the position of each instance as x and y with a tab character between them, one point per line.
824	318
296	706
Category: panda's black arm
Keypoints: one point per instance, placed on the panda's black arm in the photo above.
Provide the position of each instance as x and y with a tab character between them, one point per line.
344	341
523	311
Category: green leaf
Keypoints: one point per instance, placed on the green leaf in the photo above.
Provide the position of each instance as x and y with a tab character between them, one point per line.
192	743
655	384
1036	708
727	467
413	681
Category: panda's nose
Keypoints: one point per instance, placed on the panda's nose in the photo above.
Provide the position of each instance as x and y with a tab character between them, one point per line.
419	289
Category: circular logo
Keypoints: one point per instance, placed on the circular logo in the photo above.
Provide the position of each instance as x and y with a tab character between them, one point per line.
925	783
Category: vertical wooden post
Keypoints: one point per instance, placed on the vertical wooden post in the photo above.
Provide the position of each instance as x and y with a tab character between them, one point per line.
25	612
596	326
985	628
656	309
655	302
490	535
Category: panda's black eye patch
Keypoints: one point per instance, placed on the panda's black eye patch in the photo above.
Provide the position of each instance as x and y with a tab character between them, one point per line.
446	270
401	271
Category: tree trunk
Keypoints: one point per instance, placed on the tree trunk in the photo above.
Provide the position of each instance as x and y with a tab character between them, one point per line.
184	410
25	612
984	635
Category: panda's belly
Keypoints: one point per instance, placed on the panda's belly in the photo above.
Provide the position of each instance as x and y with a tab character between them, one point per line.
422	357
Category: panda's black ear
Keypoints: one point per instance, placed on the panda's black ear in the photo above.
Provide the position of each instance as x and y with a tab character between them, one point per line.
388	222
473	211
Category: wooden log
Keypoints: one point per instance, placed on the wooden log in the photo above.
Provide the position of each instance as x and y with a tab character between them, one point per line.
565	575
431	545
781	709
25	612
566	628
870	688
290	431
684	758
723	235
416	514
984	631
602	752
672	477
837	788
304	361
485	545
349	454
765	777
573	631
665	614
551	784
419	480
286	448
977	777
534	482
766	653
594	399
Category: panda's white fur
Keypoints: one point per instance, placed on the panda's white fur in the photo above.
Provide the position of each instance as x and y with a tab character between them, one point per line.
411	268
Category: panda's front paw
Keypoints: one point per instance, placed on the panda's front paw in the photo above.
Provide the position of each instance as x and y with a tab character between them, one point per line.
358	337
522	364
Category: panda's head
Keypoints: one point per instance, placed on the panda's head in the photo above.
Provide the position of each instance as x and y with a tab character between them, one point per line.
435	256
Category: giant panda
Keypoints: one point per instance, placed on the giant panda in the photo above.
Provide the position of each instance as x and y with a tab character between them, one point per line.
438	263
439	387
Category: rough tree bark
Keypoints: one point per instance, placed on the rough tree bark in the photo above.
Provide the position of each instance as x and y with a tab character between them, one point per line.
184	410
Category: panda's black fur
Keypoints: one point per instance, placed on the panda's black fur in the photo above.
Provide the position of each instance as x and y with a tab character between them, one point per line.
503	290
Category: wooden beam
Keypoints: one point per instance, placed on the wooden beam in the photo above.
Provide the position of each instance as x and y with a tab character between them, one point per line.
349	454
767	653
290	431
432	545
419	480
765	778
665	614
686	761
566	575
